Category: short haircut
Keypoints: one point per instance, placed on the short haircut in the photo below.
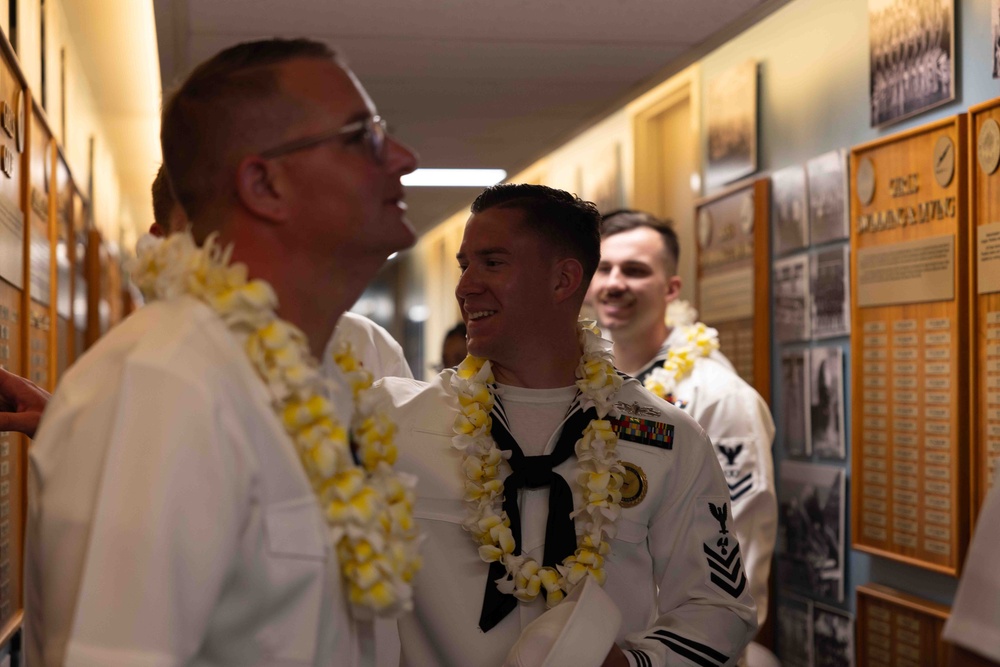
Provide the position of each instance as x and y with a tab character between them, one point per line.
222	110
563	220
625	220
163	199
457	330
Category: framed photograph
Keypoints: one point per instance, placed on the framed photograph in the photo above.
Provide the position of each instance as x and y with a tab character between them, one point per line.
833	637
795	631
811	529
601	179
826	412
795	400
829	288
789	227
912	57
791	298
731	107
826	180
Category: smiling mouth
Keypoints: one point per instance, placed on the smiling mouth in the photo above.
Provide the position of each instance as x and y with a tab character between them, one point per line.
480	314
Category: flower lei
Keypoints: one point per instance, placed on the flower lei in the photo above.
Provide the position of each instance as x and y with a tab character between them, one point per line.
701	341
485	468
368	507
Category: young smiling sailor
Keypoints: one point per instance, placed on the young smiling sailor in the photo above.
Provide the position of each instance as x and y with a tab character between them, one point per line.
635	282
543	466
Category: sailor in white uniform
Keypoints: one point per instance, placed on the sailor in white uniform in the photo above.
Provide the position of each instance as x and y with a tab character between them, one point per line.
674	570
634	284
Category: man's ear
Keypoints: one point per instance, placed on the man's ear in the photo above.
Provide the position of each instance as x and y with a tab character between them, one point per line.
567	277
258	189
673	288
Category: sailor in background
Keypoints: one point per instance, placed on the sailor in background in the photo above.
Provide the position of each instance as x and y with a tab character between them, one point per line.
635	283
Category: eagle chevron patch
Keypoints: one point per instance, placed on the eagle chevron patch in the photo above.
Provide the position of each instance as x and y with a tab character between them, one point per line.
725	563
644	431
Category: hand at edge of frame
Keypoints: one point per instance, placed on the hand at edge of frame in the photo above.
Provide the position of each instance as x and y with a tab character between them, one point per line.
21	403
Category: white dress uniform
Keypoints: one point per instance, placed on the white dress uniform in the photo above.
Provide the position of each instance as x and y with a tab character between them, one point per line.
675	570
381	356
378	352
739	424
170	520
974	623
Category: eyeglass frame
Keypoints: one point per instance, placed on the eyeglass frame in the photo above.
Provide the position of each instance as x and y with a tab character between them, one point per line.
376	137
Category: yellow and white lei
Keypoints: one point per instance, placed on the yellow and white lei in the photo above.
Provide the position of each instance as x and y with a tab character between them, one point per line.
368	507
485	467
700	341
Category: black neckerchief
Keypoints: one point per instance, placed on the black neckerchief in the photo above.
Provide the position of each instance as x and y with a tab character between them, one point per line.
533	472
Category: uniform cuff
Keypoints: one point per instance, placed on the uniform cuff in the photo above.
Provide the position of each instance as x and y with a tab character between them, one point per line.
638	658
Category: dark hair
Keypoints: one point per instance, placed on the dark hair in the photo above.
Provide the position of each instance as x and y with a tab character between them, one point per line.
226	103
625	220
163	198
563	220
457	330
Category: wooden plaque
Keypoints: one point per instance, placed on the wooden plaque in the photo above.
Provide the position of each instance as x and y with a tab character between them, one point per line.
984	212
910	308
897	629
63	265
14	99
734	277
13	466
41	267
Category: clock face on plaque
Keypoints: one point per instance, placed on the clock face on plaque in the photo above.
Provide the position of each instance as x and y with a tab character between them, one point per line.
746	214
944	161
988	146
704	228
866	181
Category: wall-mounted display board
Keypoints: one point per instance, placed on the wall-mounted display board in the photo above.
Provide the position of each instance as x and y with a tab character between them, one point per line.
984	210
734	275
81	234
63	264
897	629
910	309
13	449
41	156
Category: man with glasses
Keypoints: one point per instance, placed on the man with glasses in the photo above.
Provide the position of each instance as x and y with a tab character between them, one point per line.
171	520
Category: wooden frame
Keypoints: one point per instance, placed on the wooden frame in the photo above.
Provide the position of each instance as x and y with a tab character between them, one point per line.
896	628
910	508
759	267
984	208
14	300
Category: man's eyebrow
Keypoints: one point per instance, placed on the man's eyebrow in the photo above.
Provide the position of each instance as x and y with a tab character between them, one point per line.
485	251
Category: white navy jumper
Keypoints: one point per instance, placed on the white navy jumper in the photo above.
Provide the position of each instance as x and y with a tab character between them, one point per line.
675	569
739	424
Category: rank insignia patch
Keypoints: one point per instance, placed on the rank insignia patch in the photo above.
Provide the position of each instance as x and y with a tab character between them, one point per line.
644	431
635	485
723	557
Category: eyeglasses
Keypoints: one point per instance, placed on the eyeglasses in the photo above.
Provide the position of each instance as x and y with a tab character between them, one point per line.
374	128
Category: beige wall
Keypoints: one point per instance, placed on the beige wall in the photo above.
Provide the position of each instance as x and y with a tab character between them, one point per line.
580	166
114	216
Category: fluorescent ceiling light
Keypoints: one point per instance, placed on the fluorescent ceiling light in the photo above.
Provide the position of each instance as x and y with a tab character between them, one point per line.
454	177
